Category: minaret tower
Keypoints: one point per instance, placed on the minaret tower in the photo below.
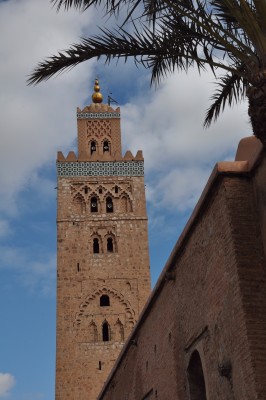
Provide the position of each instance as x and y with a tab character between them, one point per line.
103	277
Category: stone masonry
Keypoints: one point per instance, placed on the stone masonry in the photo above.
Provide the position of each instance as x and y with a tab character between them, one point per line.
103	277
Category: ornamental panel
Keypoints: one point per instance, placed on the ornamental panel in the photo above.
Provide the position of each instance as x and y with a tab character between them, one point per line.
106	115
122	168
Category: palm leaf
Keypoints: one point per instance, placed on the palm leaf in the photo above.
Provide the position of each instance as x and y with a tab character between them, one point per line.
231	88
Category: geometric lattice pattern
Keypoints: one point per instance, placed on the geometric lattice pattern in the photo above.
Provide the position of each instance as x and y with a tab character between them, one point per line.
98	128
97	168
106	115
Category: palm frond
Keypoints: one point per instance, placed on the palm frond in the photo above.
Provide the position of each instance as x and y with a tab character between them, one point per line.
231	88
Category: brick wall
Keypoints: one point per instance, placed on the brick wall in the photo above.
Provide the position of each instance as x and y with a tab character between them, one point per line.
210	301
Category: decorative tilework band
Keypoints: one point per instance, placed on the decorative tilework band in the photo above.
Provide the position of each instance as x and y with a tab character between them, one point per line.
106	115
115	168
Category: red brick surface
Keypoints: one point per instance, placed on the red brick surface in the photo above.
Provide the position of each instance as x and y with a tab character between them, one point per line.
211	298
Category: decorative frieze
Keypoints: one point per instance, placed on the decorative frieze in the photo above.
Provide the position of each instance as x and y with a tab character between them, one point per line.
115	168
106	115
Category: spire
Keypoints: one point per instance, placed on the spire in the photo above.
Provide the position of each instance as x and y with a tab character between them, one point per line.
97	97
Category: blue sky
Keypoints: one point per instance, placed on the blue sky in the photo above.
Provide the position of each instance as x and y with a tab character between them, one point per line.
36	122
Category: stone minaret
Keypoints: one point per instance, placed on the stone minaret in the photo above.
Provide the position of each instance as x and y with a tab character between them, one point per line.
103	277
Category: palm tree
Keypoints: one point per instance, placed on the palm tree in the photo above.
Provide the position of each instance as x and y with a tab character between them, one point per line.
229	36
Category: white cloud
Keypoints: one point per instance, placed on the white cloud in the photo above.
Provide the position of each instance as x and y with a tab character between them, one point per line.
35	121
38	121
179	153
33	267
7	382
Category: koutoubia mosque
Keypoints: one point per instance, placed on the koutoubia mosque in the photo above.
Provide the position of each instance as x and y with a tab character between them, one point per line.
103	272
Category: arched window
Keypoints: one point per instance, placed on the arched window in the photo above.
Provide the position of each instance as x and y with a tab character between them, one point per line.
96	246
106	146
93	147
94	204
196	380
104	301
116	189
110	245
109	205
106	332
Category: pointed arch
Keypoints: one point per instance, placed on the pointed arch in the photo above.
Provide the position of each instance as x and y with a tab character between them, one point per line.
93	145
125	203
94	204
109	204
106	146
119	331
106	331
96	244
113	295
196	381
110	243
79	203
92	333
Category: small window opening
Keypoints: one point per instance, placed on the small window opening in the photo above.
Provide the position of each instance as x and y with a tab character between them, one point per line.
100	365
93	147
94	204
110	245
109	205
116	189
105	332
104	301
106	146
100	190
96	247
78	267
85	190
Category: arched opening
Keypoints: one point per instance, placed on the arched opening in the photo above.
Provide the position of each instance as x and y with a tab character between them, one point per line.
106	332
116	189
196	379
119	331
93	147
104	301
110	245
109	205
79	204
106	146
96	246
123	204
93	334
94	204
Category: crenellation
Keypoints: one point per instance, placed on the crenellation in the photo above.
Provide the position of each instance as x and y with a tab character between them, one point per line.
84	155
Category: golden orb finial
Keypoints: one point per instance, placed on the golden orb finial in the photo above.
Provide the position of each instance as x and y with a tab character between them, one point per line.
97	97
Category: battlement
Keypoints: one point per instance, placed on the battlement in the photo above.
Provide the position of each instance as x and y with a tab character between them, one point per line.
100	165
98	111
85	156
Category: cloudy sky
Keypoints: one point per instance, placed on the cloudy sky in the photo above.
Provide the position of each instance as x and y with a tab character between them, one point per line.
36	122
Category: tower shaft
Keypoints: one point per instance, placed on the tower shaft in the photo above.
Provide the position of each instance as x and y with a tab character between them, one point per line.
103	277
